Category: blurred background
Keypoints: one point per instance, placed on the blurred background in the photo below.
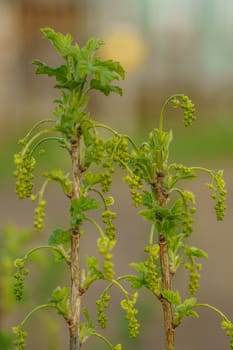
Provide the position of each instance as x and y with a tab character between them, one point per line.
165	48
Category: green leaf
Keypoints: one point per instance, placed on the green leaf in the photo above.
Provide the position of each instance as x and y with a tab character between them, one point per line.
147	199
92	263
79	206
62	43
104	68
63	179
139	267
149	214
193	251
107	71
106	89
89	322
60	298
59	73
159	147
177	208
86	57
138	281
185	309
171	296
86	329
85	203
60	237
93	273
92	45
104	73
91	179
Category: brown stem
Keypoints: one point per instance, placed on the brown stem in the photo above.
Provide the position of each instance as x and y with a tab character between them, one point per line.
162	198
166	285
75	343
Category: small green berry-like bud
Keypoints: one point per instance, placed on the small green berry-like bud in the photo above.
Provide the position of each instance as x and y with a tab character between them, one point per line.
19	263
109	200
33	197
117	347
175	102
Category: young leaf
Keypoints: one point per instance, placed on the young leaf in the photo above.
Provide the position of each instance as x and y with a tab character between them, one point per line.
149	214
60	299
139	267
185	309
147	199
86	329
93	273
59	72
138	281
171	296
197	252
62	43
59	237
79	206
88	51
91	179
106	89
57	175
85	203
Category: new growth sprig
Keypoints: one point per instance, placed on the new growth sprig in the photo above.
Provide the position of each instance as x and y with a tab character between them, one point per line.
155	186
76	133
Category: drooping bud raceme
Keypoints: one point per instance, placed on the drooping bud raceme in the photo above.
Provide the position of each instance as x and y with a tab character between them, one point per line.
218	193
39	215
25	165
19	278
102	304
21	336
131	312
188	108
135	185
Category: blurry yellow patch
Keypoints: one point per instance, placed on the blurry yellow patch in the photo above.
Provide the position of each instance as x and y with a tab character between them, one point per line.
126	46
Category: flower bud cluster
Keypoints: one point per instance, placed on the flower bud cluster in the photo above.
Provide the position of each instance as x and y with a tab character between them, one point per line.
194	276
127	304
107	218
108	267
105	181
105	245
39	215
184	169
102	304
188	108
152	279
187	223
135	184
117	347
228	327
98	149
123	150
219	194
21	335
19	278
25	165
117	149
